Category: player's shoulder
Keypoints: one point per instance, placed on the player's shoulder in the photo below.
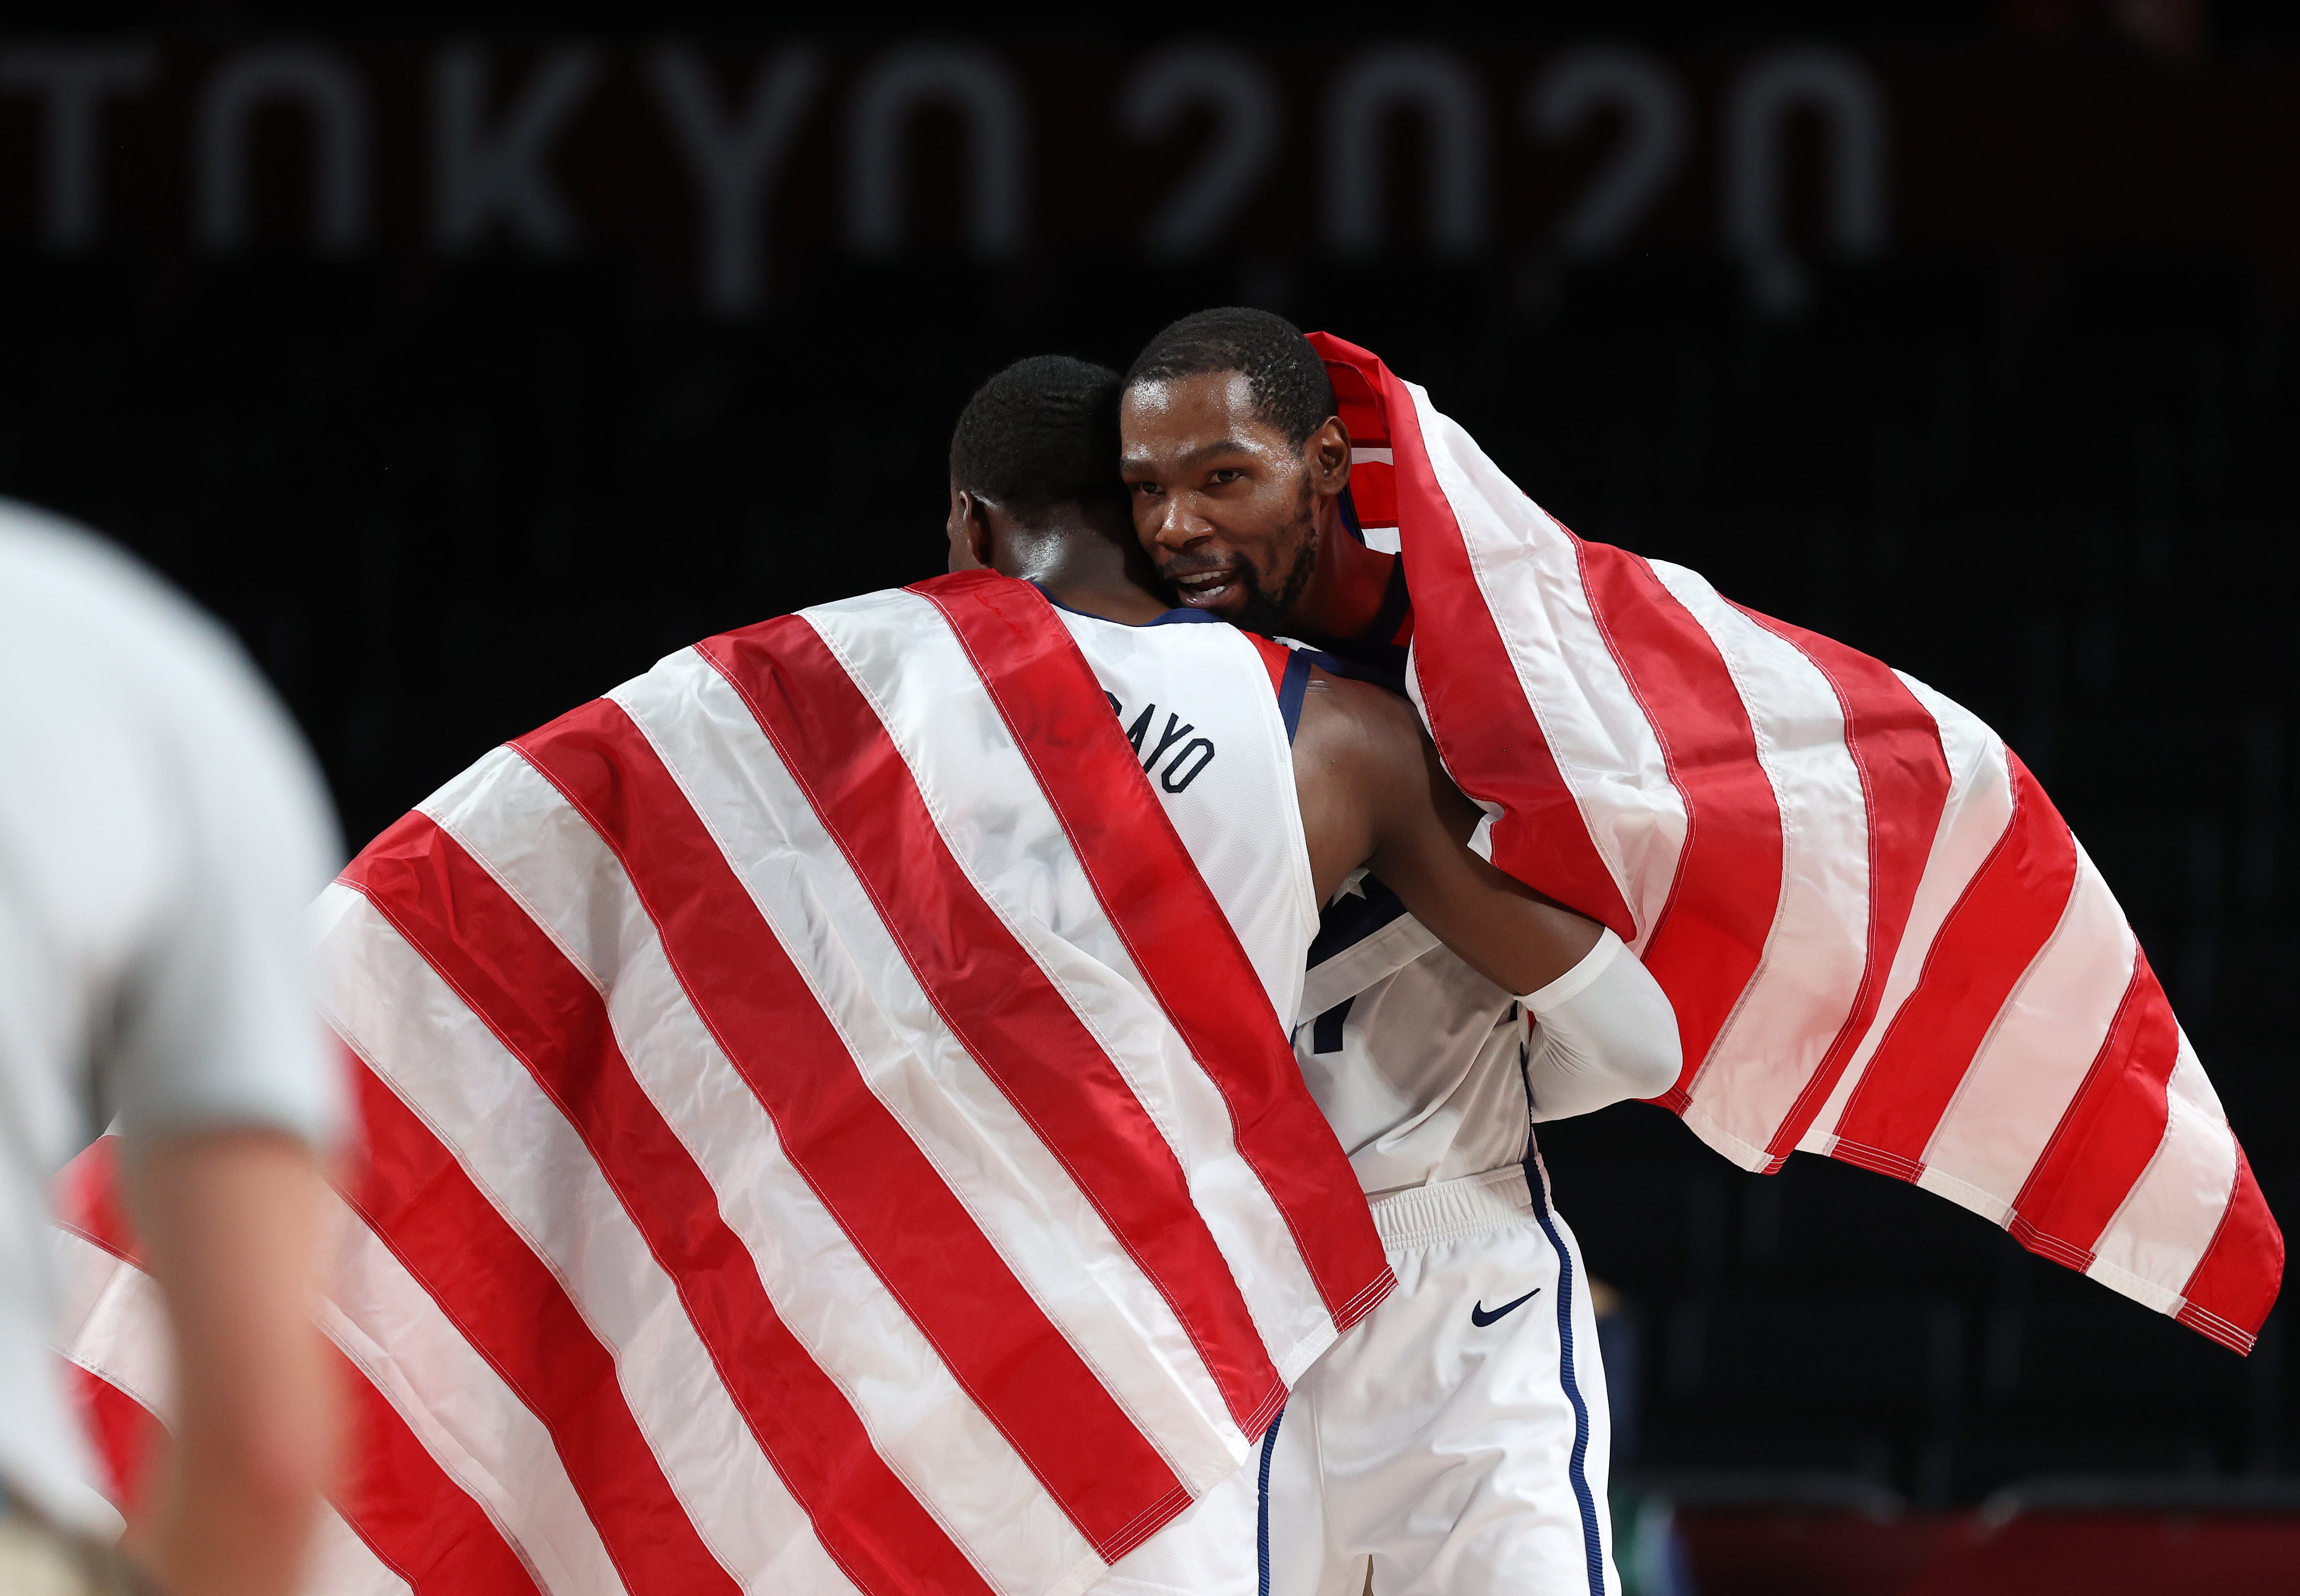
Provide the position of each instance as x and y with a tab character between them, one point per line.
1356	733
1370	710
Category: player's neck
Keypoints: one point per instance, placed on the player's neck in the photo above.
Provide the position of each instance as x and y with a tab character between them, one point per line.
1089	573
1347	584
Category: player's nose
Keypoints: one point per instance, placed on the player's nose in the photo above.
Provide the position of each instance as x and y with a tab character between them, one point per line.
1179	527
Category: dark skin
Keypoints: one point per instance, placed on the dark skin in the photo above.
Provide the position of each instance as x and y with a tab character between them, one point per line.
1240	520
1372	789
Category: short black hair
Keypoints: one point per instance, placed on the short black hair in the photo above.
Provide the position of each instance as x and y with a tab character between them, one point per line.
1041	433
1288	382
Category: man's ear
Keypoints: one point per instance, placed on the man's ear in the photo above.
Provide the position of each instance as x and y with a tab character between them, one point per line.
972	547
1327	453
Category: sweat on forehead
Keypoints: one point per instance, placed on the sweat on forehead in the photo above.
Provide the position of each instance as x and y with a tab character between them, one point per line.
1283	373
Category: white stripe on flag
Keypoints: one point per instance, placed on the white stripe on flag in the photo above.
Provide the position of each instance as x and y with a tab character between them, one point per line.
115	1324
1529	576
920	1419
341	1564
2174	1208
1810	973
1360	454
2045	1037
475	1427
1978	808
532	1164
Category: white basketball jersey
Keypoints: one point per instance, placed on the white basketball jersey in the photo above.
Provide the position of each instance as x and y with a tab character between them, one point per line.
1200	707
1412	1056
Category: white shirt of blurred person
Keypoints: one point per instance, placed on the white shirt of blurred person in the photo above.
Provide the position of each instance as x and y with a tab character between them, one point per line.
161	829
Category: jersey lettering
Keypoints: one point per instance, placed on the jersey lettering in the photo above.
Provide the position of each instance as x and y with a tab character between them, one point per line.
1189	760
1181	773
1204	709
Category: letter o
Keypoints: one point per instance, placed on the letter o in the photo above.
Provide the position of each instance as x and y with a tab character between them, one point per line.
1167	780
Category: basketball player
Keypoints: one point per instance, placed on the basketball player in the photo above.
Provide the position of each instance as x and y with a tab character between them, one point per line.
1458	1439
1211	711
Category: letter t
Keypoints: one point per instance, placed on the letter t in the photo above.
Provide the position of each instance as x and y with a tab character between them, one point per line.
74	81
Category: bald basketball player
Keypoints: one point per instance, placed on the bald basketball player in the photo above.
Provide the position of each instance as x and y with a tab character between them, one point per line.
1032	496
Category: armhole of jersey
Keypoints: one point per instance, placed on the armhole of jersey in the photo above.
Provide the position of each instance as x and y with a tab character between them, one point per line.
1393	623
1290	678
1274	658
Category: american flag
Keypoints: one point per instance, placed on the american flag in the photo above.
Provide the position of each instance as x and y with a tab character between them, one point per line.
821	1135
1882	939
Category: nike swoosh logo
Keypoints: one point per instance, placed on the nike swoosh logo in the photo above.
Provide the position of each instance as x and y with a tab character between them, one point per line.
1481	1318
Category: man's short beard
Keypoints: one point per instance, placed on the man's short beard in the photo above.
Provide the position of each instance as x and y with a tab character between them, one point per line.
1273	612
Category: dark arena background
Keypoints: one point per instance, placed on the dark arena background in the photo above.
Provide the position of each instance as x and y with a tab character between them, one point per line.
467	359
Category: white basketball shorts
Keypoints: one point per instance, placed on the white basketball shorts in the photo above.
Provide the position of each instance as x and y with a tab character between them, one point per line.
1455	1442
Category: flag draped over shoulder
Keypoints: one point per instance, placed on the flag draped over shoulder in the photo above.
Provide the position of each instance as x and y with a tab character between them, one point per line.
1881	940
820	1136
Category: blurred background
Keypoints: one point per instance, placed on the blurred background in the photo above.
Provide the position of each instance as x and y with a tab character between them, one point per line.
467	359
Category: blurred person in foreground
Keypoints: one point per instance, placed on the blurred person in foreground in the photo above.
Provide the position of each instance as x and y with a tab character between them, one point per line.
161	828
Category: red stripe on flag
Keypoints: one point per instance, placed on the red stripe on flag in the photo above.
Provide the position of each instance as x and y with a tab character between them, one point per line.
2236	1281
917	1235
90	1200
1710	936
1360	380
549	1017
992	992
1275	656
124	1430
2006	914
511	1309
417	1520
1181	941
1471	697
2109	1132
1897	748
1373	489
1357	400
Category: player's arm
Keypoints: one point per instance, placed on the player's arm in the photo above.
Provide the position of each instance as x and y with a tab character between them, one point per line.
1374	792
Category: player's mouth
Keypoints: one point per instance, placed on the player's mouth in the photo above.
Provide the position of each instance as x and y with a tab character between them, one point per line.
1206	589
